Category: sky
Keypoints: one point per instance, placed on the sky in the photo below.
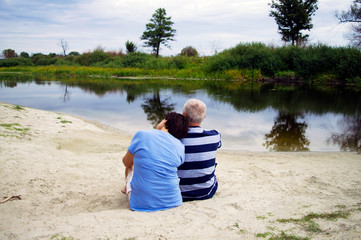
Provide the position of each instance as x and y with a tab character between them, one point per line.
37	26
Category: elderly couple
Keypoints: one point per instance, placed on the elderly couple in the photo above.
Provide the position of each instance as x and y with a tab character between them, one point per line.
173	163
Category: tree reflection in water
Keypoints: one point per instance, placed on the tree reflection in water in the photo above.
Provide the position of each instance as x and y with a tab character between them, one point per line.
66	97
350	138
287	134
156	109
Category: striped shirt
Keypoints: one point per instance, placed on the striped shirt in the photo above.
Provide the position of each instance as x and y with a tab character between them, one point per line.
197	173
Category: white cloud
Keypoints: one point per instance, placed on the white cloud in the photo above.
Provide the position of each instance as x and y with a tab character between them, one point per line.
37	26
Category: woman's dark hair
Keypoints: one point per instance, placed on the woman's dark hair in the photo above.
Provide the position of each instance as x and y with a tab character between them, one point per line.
176	124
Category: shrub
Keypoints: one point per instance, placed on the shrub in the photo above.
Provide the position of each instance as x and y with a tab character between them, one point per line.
115	62
135	59
189	52
45	61
82	60
74	53
15	62
98	55
247	56
65	62
131	47
24	55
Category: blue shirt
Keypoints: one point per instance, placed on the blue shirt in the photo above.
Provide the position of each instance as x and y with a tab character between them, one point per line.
197	174
155	183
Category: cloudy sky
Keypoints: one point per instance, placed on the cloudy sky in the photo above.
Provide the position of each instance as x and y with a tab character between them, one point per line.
208	25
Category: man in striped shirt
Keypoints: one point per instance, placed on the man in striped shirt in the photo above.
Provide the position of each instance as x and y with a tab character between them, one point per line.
197	174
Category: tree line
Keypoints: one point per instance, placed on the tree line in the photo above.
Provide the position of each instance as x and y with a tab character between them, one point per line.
246	61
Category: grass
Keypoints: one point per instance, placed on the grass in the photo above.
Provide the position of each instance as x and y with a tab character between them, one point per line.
17	107
236	225
247	75
9	125
284	236
58	237
281	236
65	121
307	223
14	128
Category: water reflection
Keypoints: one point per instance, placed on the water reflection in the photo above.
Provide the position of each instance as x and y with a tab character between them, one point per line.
350	138
288	133
66	97
156	109
148	101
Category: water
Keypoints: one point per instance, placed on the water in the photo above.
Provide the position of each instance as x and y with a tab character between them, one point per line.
249	120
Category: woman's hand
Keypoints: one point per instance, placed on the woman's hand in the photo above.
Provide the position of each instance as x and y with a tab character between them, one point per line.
161	125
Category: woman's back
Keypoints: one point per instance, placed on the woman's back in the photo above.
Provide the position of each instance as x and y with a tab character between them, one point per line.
155	184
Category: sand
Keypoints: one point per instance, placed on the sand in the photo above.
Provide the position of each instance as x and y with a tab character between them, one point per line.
69	174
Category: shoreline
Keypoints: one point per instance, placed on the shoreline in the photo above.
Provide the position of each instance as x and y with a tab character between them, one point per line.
69	174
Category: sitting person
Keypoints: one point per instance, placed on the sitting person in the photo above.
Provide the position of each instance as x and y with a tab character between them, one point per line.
197	174
151	163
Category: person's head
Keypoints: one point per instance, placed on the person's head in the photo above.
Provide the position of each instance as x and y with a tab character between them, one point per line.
176	124
195	110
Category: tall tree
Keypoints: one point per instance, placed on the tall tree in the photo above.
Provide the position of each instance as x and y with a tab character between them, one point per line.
159	31
353	15
293	16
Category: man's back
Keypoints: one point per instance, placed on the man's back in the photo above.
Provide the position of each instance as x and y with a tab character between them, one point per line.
197	173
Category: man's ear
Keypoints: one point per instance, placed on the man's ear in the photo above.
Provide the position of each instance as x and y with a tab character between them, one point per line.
184	114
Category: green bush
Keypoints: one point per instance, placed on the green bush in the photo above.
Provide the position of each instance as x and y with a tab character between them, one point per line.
115	62
64	62
310	62
82	60
130	47
321	59
97	56
45	61
24	55
135	59
157	63
247	56
11	62
348	63
189	52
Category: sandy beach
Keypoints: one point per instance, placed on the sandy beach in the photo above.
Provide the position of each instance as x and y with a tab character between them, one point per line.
68	173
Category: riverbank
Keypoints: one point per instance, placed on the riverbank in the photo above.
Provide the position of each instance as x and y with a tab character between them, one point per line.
68	173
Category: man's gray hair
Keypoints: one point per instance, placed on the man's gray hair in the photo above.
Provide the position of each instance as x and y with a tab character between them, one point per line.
195	110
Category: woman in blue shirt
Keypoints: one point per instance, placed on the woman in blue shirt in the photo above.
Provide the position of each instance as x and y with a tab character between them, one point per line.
151	162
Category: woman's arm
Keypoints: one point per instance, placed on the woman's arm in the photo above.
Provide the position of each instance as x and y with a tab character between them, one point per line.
128	160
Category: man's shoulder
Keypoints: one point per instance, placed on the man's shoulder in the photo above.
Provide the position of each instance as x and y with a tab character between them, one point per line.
210	132
200	131
199	136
